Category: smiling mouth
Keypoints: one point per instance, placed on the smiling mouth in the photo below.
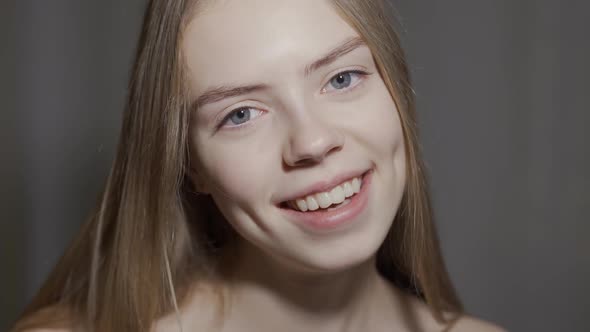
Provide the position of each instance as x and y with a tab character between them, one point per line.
333	198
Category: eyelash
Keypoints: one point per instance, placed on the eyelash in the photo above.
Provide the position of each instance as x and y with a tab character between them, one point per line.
352	87
363	74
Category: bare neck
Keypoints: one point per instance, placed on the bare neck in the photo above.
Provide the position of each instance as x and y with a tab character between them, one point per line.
268	295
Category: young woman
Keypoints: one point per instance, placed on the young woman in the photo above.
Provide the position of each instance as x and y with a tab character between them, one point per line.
268	178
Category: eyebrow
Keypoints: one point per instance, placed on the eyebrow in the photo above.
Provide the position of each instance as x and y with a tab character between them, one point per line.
219	93
346	47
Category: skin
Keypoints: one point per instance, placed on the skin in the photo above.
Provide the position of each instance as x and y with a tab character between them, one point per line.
298	134
302	129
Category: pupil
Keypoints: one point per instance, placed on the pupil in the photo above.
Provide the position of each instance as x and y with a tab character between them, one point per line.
240	116
341	81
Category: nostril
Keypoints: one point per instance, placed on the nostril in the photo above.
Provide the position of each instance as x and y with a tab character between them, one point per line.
312	159
312	147
306	162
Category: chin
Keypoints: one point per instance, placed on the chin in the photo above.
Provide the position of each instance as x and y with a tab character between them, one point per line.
335	258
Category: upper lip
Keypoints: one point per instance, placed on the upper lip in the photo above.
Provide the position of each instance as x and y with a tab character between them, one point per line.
325	185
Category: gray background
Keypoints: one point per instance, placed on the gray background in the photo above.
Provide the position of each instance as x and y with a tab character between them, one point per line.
503	99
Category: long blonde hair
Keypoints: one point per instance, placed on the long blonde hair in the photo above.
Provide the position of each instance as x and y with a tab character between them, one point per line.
150	237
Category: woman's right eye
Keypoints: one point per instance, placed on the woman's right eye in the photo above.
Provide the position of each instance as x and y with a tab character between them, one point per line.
239	116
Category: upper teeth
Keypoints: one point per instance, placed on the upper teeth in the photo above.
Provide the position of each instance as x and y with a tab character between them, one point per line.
324	199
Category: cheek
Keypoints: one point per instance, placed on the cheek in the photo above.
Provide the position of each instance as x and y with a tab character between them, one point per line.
382	133
378	125
388	134
230	172
238	175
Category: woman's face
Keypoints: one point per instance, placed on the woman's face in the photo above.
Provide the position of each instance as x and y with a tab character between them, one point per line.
291	114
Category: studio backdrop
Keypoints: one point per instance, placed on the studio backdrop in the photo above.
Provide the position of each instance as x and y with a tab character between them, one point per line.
503	99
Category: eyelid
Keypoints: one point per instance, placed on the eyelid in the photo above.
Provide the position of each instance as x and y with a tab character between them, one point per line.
363	73
223	114
224	119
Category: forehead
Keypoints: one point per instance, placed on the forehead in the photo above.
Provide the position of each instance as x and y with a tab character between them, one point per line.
242	39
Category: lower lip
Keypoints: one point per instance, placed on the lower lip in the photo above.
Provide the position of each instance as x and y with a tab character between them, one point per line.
326	220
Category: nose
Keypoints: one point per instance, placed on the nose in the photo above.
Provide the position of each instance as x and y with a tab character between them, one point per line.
310	141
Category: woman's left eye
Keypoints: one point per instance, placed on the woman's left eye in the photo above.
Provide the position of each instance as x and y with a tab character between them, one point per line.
344	80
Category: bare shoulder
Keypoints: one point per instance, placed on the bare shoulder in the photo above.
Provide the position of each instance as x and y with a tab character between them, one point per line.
468	324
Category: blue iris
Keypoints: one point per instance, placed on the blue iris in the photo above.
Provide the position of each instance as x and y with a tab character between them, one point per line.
240	116
341	81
